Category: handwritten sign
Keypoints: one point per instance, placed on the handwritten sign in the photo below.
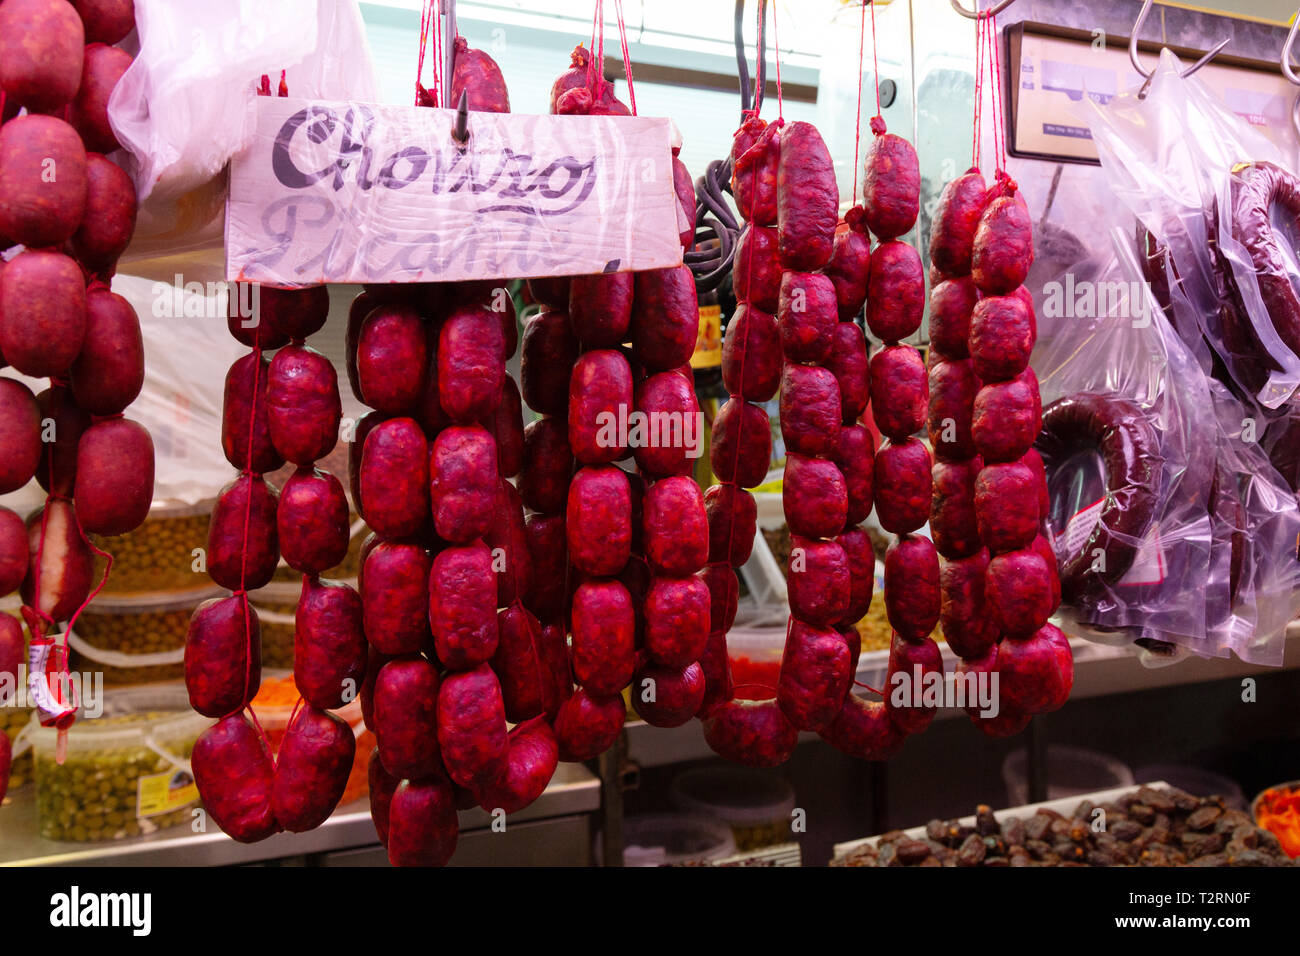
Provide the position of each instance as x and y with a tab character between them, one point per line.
357	192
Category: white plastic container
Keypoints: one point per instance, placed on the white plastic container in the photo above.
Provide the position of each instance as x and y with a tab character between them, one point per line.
1071	771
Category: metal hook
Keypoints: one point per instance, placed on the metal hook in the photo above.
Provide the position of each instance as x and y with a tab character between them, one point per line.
1287	69
460	132
742	64
981	14
1133	48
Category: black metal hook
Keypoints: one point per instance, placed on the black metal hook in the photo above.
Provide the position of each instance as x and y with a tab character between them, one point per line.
460	132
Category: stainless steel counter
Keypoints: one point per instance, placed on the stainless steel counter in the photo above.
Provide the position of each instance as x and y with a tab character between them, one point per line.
573	791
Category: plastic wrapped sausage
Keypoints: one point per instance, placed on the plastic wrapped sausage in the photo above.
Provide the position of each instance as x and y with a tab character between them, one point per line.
1006	506
952	302
463	606
810	410
1002	336
1018	588
665	316
546	361
848	362
807	314
604	641
235	778
406	717
311	769
815	675
235	561
676	620
223	659
600	308
600	386
751	354
732	515
952	235
676	528
968	627
394	587
818	581
896	295
815	497
753	733
807	199
912	586
741	446
953	525
856	544
463	482
329	645
471	363
599	520
1007	418
899	391
891	185
472	727
953	385
902	484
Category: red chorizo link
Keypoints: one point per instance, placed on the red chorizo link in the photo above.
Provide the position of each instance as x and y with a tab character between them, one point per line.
422	824
311	769
223	657
587	726
463	606
755	156
732	515
666	696
518	664
891	185
818	581
392	355
751	732
329	645
1035	674
810	410
244	450
507	429
394	478
1002	336
861	558
904	699
599	389
952	236
239	561
512	562
665	316
472	727
395	597
1007	418
303	404
1018	587
896	299
604	639
863	729
669	410
756	269
531	758
716	667
599	520
850	265
1044	548
1034	462
471	363
848	362
600	308
751	354
463	482
676	528
546	361
235	776
547	465
952	302
815	675
815	496
1003	249
548	548
900	391
312	521
553	651
902	485
676	620
724	592
741	447
953	385
551	292
807	315
953	523
406	718
968	627
912	586
1006	506
807	200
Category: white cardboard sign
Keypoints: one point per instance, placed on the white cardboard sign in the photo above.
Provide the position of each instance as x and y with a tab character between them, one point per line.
358	192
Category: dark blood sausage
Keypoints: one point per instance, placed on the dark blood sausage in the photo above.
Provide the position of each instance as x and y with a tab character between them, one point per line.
312	521
810	410
477	76
329	644
511	560
600	397
968	627
741	446
463	606
952	302
897	291
716	667
600	308
912	586
422	824
952	235
673	436
42	312
856	544
471	366
953	524
863	729
1036	674
724	592
311	769
848	362
604	643
62	565
241	401
1123	433
1002	336
751	354
547	465
667	696
902	485
115	469
815	675
599	520
294	313
891	186
899	391
382	787
815	496
507	429
676	528
406	718
303	404
235	777
732	514
1257	189
531	757
553	652
392	355
245	321
755	158
57	471
819	582
1018	587
756	269
807	200
109	372
472	727
223	661
754	733
395	597
677	621
953	386
546	361
463	482
237	562
665	316
850	265
807	315
587	726
518	663
394	478
1007	418
1003	249
35	209
20	435
548	548
1006	506
903	700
